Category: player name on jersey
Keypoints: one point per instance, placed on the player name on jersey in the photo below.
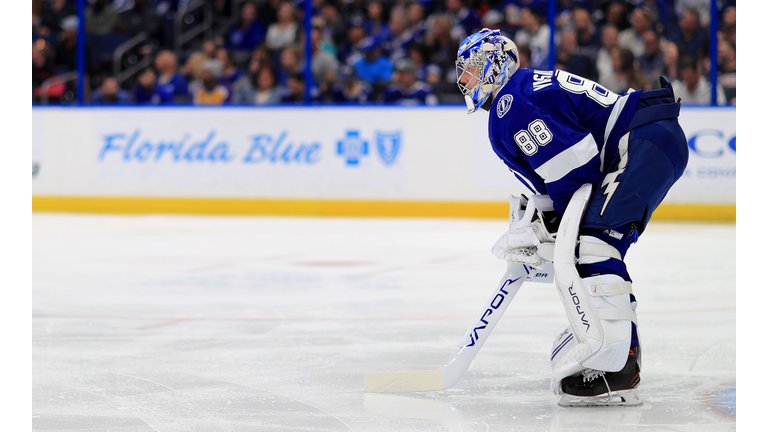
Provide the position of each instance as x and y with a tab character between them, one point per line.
541	79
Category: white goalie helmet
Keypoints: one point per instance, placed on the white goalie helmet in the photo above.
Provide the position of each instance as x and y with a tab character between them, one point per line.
485	62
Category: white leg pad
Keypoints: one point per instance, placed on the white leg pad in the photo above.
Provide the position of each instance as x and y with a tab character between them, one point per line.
598	307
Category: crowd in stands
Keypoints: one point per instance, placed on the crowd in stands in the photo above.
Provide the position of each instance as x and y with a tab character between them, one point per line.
367	51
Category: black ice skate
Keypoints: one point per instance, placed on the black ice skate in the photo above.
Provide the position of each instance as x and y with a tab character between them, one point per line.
597	388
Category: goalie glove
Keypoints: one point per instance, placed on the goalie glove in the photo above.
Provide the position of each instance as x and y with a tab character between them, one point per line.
528	241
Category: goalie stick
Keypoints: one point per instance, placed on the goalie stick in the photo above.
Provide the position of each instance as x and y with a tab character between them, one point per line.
449	374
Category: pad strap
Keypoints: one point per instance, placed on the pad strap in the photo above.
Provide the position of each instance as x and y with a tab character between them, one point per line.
617	314
609	289
600	250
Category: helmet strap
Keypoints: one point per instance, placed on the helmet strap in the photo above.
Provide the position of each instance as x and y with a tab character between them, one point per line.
487	104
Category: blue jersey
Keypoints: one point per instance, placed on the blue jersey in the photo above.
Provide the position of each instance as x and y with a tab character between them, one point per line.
556	131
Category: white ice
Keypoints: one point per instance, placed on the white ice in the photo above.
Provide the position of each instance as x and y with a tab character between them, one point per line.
180	323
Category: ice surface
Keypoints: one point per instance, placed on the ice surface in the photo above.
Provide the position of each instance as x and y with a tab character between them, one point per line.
160	323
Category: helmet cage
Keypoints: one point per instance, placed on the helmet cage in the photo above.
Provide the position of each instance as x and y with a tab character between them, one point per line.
474	66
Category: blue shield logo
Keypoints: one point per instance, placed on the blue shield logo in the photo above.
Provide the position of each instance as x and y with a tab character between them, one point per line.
388	146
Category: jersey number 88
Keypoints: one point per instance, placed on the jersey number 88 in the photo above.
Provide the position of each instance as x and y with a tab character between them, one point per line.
538	134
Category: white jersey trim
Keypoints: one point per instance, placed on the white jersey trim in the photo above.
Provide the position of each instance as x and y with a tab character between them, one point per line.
618	107
526	181
568	160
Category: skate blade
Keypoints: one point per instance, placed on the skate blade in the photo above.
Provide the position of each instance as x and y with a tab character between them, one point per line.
617	398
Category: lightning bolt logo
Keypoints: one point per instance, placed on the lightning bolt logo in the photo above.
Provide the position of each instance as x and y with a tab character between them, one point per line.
609	181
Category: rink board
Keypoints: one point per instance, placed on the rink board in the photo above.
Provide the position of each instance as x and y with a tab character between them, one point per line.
334	161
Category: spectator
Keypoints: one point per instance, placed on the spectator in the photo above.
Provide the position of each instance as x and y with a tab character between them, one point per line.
212	91
534	33
638	80
192	71
513	10
373	68
39	28
652	61
701	7
693	38
55	14
231	72
244	35
168	78
426	71
416	17
194	63
729	33
243	89
209	49
142	17
101	18
397	47
65	51
286	30
663	13
464	21
110	93
259	88
524	53
291	63
375	24
604	63
671	61
268	10
616	13
729	16
407	90
349	89
726	65
623	64
266	91
728	25
294	92
570	60
262	57
494	19
42	69
147	92
632	38
349	51
353	9
325	43
443	46
587	38
324	65
564	14
692	88
334	26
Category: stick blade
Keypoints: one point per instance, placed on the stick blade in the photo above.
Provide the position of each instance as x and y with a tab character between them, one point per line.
403	382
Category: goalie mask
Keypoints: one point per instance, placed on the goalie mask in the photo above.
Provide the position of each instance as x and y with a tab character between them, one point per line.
485	62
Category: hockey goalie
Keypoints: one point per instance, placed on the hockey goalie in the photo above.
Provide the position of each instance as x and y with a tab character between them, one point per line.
597	164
